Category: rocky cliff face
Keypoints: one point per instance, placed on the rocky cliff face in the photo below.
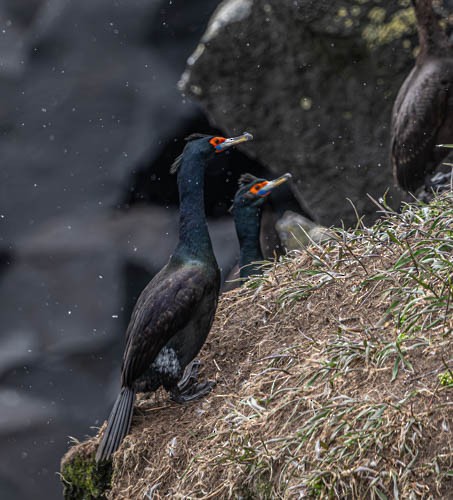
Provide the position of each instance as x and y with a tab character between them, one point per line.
315	82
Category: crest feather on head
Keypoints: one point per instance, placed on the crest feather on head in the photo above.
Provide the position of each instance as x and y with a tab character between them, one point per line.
196	135
178	160
245	179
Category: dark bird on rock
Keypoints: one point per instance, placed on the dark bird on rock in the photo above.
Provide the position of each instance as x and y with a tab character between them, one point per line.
174	313
247	210
422	115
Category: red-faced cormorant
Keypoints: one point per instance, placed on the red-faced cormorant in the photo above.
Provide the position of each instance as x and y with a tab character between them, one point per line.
174	313
423	111
247	206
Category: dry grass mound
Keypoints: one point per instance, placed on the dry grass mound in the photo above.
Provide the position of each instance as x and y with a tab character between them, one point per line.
334	376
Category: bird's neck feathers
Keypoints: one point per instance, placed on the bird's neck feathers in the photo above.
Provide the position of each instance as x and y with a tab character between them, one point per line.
432	38
194	240
248	224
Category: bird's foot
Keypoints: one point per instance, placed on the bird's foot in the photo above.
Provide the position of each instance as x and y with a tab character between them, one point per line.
188	388
190	375
192	393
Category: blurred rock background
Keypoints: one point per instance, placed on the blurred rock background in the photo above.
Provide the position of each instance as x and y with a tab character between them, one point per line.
90	120
316	88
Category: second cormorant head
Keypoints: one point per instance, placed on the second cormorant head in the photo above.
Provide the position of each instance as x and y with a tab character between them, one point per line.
207	146
253	191
246	210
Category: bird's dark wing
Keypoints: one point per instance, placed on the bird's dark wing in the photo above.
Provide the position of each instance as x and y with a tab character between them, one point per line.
165	306
419	111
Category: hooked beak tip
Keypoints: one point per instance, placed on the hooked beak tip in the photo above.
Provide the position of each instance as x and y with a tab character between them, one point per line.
273	184
233	141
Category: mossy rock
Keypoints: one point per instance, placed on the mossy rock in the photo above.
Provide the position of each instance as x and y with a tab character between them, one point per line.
81	476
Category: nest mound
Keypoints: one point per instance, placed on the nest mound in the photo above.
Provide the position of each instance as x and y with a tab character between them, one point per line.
334	378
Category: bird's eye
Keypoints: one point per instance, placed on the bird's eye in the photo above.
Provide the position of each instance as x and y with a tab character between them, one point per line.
215	141
256	187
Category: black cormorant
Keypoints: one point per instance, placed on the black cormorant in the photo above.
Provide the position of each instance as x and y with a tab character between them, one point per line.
246	209
422	115
174	313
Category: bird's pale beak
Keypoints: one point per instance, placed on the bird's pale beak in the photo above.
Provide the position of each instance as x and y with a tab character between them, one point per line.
265	190
233	141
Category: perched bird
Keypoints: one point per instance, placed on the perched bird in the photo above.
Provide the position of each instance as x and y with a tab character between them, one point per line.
247	209
174	313
422	115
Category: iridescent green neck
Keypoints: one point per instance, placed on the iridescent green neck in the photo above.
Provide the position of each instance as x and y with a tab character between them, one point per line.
194	241
247	220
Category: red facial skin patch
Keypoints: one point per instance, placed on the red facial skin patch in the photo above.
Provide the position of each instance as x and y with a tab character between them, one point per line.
256	187
215	141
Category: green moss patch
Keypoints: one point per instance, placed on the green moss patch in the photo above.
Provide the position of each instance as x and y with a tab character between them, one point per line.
81	476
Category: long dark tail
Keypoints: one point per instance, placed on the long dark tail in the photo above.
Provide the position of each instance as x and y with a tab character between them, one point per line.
119	424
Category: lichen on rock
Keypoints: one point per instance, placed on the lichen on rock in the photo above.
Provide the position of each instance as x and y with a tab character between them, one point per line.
380	32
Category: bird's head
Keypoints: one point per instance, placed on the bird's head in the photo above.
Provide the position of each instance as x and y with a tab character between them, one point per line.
207	146
254	191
